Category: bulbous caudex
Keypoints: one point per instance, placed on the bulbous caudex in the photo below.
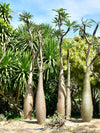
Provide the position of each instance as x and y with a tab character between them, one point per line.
28	100
86	106
61	94
40	104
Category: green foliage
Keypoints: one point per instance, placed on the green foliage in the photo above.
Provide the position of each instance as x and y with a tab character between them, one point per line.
61	15
85	22
5	17
20	39
14	69
51	73
61	19
25	16
5	12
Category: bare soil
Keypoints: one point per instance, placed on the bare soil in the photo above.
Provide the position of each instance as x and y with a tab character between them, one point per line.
31	126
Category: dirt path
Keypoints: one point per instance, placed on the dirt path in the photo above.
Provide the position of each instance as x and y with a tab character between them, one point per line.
73	126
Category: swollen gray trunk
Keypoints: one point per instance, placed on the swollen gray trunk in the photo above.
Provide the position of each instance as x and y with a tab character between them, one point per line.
87	106
61	89
61	94
68	95
28	101
40	105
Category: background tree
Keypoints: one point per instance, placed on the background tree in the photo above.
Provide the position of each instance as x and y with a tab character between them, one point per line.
5	27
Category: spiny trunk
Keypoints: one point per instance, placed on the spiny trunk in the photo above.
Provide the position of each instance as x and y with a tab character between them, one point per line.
28	101
61	89
68	93
40	105
87	106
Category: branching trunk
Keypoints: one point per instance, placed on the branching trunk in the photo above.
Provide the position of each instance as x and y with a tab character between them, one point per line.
61	89
28	101
68	93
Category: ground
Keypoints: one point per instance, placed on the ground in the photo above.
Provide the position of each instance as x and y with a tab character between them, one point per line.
31	126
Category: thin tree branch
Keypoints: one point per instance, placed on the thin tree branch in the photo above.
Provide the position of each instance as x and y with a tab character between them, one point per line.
94	59
96	76
37	63
94	32
87	54
4	52
59	25
31	38
84	31
60	47
66	31
60	29
40	50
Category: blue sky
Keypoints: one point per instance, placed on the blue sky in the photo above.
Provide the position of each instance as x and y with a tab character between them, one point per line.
42	9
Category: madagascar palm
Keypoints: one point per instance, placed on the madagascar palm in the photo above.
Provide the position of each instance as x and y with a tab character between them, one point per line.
28	101
67	44
87	106
40	104
60	20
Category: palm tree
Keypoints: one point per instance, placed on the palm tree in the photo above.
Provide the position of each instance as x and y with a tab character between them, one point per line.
68	93
67	44
87	106
60	20
28	101
40	104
